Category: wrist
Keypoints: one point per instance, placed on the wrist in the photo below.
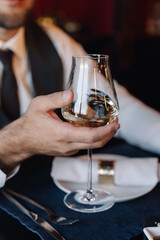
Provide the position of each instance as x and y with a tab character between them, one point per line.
12	146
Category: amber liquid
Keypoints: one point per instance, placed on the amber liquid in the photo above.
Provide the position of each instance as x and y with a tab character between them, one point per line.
99	111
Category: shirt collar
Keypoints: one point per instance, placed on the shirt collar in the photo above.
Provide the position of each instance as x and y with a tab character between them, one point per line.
16	44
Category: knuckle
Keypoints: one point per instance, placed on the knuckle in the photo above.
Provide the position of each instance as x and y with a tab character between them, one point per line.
92	139
35	101
100	144
67	149
112	127
63	151
39	99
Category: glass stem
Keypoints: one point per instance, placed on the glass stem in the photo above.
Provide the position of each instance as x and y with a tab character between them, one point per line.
89	182
89	194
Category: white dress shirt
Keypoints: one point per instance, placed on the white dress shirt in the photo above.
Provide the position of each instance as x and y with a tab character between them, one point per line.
140	125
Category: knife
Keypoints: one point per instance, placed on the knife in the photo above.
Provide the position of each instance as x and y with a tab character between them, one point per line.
34	216
53	217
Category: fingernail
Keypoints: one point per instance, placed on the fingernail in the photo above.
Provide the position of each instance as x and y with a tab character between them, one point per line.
117	126
66	95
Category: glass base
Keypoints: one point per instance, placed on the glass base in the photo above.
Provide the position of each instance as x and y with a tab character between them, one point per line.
97	201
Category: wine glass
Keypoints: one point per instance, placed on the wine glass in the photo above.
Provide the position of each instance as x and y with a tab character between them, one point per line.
95	104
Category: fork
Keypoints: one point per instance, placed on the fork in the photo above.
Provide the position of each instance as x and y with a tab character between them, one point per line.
61	220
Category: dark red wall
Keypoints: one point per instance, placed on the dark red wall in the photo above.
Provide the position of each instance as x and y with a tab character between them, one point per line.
97	15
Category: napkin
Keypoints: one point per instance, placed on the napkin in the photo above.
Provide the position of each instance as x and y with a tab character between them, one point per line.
151	232
128	171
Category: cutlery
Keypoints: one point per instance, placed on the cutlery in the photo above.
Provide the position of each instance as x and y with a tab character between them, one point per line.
157	237
34	216
53	217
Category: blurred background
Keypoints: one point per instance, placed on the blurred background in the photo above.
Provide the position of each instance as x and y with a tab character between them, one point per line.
127	30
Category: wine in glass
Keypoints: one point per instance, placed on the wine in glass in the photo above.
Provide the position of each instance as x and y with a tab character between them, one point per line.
95	104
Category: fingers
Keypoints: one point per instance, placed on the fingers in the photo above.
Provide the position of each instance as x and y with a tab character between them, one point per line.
105	131
52	101
89	135
86	137
72	148
97	144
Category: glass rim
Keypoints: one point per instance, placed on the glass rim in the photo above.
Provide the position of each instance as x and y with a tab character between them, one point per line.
92	56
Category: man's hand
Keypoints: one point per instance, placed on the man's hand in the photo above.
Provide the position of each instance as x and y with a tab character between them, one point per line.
40	131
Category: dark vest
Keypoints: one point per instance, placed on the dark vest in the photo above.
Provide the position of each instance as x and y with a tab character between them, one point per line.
45	63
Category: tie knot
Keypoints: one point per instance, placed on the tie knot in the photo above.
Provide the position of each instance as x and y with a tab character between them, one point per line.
6	56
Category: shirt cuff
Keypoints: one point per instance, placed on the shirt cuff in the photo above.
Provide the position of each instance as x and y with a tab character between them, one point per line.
4	177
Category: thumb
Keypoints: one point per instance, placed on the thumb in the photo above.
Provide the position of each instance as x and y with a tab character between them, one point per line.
61	99
54	100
